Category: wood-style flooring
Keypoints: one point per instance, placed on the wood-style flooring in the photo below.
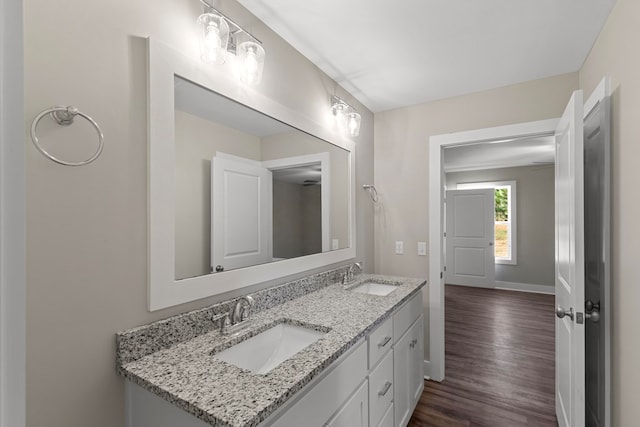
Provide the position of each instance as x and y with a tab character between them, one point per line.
499	362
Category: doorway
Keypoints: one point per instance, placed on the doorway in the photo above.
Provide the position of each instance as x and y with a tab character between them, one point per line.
572	231
436	220
500	344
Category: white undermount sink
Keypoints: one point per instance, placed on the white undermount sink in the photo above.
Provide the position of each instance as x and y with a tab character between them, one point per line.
373	288
263	352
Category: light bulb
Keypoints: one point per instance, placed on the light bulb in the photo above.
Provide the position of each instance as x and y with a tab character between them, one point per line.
251	65
213	41
251	57
354	124
215	35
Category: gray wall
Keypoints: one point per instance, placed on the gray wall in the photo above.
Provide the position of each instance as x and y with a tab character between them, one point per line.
197	142
297	220
87	226
535	221
402	159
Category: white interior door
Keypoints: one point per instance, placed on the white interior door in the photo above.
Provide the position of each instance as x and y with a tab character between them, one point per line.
470	258
240	214
569	198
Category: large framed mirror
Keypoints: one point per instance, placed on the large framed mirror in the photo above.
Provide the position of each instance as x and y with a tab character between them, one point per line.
242	190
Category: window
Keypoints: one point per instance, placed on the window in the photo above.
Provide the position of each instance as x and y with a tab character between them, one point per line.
505	217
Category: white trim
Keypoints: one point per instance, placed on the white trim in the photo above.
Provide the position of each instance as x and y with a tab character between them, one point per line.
426	368
526	287
12	217
325	189
164	63
436	194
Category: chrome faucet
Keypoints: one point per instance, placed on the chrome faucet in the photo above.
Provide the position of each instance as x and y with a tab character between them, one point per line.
239	317
349	275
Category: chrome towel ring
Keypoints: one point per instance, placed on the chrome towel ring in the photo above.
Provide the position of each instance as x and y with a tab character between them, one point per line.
373	193
64	116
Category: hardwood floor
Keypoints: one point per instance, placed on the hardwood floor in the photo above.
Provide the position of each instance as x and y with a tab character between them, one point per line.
499	361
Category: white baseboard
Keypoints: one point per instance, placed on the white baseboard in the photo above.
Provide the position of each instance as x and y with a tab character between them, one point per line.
525	287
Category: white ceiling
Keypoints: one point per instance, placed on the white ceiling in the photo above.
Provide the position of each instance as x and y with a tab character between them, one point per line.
393	54
500	154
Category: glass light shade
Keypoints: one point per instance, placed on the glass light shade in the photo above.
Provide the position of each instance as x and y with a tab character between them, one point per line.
215	36
354	124
251	56
340	111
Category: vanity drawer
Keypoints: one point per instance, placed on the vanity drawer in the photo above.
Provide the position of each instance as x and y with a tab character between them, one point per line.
381	389
406	315
380	341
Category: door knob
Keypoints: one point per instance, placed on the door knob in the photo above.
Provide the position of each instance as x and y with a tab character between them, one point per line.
592	311
561	312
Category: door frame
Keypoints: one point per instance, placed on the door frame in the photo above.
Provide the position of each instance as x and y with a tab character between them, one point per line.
434	367
602	94
12	217
325	189
324	158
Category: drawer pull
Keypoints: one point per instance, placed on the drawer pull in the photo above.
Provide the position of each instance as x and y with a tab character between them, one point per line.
384	342
385	389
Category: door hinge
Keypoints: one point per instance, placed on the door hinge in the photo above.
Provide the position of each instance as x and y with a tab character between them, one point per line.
441	274
445	234
445	268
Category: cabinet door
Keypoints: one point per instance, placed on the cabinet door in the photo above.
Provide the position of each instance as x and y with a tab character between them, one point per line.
407	371
355	413
416	378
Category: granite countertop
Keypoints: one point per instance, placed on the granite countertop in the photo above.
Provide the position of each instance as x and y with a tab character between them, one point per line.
187	375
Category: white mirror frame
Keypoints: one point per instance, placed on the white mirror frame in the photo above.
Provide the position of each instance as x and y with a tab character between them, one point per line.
163	289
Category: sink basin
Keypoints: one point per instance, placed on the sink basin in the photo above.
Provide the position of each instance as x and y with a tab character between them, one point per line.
373	288
263	352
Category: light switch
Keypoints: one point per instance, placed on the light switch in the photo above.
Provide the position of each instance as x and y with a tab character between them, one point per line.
399	247
422	248
335	244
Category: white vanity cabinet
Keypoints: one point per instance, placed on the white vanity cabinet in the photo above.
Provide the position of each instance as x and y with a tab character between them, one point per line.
408	355
408	372
355	413
396	353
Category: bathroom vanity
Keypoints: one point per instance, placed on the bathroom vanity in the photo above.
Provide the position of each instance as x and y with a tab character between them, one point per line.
363	367
317	351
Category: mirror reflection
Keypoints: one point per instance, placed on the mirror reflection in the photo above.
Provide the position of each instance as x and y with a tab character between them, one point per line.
250	189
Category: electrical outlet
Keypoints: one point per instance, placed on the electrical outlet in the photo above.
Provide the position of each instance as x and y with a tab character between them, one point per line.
335	244
422	248
399	247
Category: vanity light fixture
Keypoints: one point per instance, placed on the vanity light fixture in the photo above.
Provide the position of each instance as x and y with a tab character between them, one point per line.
346	115
219	36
